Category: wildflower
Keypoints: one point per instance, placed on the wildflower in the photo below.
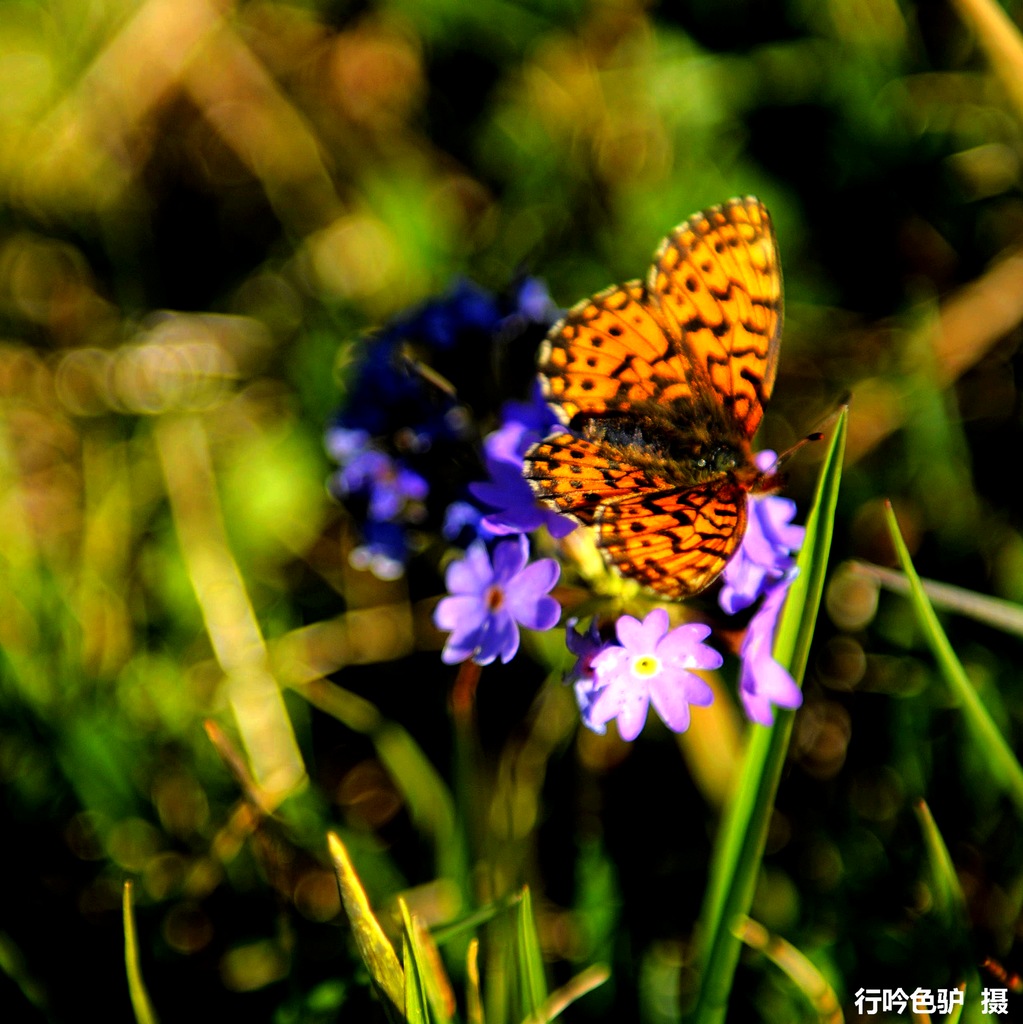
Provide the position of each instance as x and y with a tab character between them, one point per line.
344	444
763	682
389	486
650	665
763	568
585	646
517	510
489	601
523	424
461	517
765	554
405	438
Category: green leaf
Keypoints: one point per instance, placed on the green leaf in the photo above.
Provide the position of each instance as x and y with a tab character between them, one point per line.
532	976
416	1011
949	902
735	864
376	951
996	753
422	957
140	1003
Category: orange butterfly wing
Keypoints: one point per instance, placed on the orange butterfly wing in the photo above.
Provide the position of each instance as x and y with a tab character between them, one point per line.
674	539
660	379
676	542
717	282
611	353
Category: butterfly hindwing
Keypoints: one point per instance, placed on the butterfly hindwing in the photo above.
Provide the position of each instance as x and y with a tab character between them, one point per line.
676	541
717	282
575	476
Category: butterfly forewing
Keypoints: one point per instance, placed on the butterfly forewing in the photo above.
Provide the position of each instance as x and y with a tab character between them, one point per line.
610	353
717	282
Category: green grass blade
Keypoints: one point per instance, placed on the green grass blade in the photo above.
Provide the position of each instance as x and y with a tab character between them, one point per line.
140	1003
416	1011
531	975
422	956
467	926
797	966
997	755
736	861
376	951
561	998
473	994
949	903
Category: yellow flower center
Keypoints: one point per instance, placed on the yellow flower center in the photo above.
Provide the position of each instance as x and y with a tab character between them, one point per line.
645	666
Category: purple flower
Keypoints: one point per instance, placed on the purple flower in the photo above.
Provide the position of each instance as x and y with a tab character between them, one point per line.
765	554
343	444
763	567
651	664
762	681
517	510
390	487
489	602
462	517
585	646
523	424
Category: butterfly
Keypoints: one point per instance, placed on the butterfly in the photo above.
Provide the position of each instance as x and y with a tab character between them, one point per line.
661	386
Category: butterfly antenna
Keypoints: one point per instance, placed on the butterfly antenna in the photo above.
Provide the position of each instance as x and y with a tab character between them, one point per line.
816	435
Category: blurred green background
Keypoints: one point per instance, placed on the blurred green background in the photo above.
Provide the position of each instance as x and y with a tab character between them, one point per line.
202	206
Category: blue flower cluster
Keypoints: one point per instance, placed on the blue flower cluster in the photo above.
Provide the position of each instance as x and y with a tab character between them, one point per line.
408	461
405	440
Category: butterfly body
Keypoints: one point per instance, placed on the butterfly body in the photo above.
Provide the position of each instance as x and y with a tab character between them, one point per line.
661	386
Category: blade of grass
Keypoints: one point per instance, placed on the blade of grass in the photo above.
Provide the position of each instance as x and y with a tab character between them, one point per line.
532	978
416	1011
376	951
426	961
797	966
736	861
992	611
998	756
949	902
140	1003
585	981
471	922
473	996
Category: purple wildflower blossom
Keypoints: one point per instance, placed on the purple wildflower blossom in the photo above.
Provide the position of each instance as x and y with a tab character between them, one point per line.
343	444
462	517
763	567
489	601
765	554
762	681
517	510
650	665
585	646
389	485
523	424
